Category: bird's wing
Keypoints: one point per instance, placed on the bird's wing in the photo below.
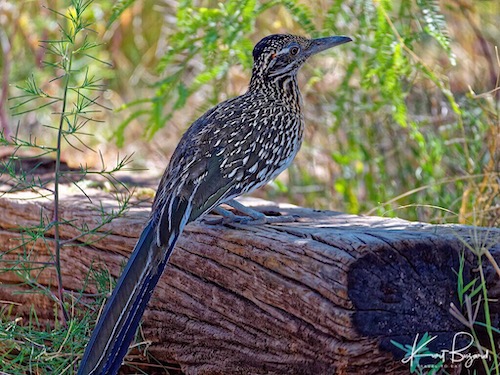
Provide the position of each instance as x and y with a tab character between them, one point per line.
202	172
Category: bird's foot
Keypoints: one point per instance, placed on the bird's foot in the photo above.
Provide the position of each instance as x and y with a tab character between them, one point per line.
252	217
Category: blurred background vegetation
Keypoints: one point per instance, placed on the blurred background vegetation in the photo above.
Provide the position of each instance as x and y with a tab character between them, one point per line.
402	122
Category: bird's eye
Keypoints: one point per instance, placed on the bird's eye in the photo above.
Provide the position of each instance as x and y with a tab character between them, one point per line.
294	50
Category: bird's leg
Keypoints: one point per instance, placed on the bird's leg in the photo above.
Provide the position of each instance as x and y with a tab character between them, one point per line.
256	217
227	217
252	216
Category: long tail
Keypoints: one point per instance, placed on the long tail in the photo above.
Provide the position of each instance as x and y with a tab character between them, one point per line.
118	323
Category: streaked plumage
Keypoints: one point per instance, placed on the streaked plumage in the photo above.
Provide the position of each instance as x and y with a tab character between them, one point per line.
234	148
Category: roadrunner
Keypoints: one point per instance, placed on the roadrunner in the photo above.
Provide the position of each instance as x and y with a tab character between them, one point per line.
234	148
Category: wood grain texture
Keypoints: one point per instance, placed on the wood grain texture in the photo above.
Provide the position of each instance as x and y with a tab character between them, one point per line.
323	295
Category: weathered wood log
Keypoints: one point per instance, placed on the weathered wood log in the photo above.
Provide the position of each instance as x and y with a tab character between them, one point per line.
323	295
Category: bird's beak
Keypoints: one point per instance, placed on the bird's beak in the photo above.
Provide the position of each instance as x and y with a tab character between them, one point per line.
320	44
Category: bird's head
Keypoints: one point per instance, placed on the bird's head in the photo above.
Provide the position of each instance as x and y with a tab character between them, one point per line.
282	55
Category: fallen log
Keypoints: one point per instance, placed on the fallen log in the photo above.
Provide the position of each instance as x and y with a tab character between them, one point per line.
322	295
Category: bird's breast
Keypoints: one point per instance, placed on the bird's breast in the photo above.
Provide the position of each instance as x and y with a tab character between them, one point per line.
267	147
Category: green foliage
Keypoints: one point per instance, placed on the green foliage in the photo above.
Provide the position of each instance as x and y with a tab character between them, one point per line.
435	25
73	95
475	302
33	347
300	12
470	289
118	8
219	36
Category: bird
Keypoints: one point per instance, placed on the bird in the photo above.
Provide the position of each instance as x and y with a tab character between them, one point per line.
234	148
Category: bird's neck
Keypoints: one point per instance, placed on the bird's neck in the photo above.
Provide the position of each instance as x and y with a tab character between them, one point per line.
284	88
